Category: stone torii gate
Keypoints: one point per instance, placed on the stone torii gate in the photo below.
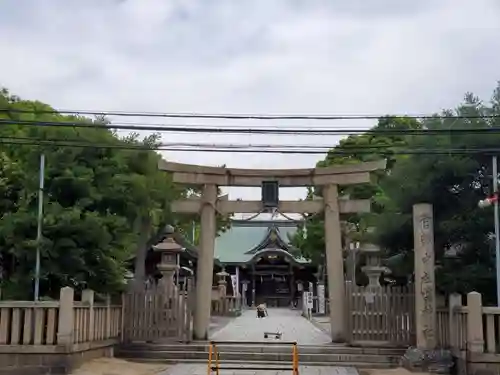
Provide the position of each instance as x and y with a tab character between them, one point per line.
332	205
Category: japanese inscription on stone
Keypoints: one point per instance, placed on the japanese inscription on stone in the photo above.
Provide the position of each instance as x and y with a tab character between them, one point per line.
425	275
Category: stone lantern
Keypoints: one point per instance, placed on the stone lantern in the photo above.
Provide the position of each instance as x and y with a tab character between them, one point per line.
373	269
221	281
169	250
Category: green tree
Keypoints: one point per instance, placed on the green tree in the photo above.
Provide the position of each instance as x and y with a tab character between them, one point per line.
103	205
375	145
453	184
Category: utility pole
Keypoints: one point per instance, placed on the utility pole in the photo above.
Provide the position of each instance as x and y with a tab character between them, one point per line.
488	202
497	225
39	227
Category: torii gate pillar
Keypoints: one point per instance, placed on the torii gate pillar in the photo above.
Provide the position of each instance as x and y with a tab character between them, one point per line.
334	263
205	264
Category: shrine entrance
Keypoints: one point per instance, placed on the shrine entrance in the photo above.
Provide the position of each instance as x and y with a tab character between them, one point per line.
269	180
373	314
273	274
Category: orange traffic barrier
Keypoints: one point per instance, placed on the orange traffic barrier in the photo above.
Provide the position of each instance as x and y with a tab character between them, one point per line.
214	356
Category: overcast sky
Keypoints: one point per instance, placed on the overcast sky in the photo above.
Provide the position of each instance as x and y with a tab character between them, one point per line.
250	56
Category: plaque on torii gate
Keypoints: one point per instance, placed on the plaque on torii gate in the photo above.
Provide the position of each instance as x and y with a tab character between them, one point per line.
331	204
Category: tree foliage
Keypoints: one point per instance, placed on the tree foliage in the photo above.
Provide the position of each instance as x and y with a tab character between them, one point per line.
452	183
351	150
102	205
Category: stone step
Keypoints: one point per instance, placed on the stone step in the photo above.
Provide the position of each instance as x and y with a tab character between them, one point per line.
263	348
270	365
266	357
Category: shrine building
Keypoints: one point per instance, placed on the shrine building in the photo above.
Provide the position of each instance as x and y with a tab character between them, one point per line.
263	265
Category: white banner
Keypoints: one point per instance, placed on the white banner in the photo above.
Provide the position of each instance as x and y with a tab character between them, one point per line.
321	299
234	281
309	300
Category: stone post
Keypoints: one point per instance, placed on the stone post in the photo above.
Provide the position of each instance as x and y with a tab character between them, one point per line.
205	265
88	299
222	283
454	301
425	289
475	339
334	263
66	316
425	357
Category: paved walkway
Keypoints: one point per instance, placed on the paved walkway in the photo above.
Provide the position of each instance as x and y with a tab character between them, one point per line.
322	322
217	322
248	327
294	327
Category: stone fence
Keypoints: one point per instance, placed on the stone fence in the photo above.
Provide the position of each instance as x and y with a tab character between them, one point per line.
52	337
55	336
472	332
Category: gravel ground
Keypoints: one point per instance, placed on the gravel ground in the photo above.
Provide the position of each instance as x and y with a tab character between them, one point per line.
114	366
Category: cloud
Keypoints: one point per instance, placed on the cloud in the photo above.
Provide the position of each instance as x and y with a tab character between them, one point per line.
280	56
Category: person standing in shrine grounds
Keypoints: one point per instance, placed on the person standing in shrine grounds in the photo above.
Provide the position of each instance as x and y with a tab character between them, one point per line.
261	311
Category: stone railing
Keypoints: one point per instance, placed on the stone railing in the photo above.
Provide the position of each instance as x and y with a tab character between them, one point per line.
57	323
491	329
29	323
452	332
57	335
472	332
96	321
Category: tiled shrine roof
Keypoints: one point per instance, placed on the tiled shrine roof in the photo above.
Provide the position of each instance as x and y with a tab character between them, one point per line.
240	243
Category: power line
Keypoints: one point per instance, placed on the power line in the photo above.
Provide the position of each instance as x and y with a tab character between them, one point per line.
220	145
284	150
256	125
193	115
246	130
